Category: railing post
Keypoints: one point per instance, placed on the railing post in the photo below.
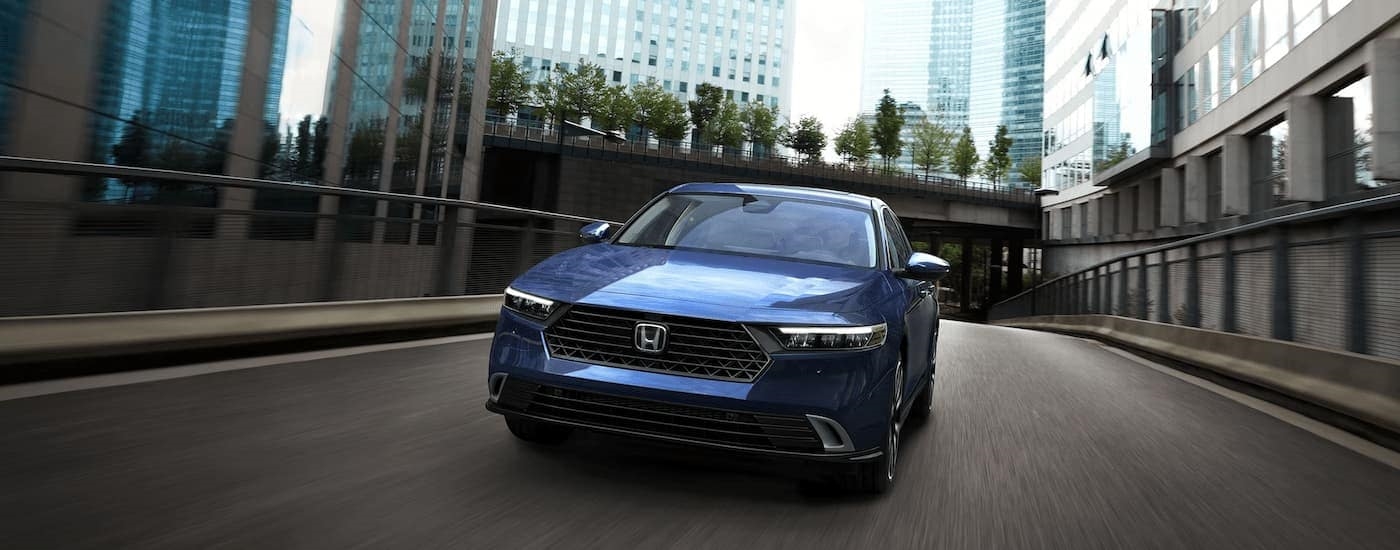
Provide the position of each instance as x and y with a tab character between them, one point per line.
448	256
527	246
1283	309
1164	274
1143	293
1085	294
1228	298
1356	286
1193	287
1123	307
159	292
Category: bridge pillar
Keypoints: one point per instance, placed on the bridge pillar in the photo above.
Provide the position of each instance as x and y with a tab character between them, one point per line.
1383	65
1235	181
1307	159
1195	200
1170	202
1015	255
965	279
994	272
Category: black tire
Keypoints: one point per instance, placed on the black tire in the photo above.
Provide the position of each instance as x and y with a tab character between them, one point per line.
922	409
537	432
877	476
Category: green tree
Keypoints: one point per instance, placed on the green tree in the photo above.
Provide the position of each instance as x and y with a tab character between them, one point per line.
658	111
964	155
1030	171
510	86
320	140
888	123
807	138
727	128
853	142
709	100
303	147
615	109
932	145
134	146
217	150
1116	155
998	162
760	126
572	95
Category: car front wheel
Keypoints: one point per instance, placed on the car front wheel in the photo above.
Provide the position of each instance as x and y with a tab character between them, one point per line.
877	476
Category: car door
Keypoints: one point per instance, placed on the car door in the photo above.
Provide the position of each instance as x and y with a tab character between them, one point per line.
920	308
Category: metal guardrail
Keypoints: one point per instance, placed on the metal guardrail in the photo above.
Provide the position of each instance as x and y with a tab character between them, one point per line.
860	179
215	241
1323	277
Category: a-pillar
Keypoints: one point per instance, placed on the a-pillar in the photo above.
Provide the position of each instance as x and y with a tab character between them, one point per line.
1169	193
1384	68
1197	184
1015	254
965	277
994	273
1307	157
1235	178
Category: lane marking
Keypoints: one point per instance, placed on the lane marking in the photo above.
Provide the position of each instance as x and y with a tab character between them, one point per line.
1326	431
49	387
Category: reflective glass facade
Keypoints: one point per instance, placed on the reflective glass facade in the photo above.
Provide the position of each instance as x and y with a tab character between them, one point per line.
972	63
742	46
1007	77
1101	103
898	43
374	94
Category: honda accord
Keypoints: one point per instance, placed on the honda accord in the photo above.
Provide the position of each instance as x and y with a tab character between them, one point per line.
773	320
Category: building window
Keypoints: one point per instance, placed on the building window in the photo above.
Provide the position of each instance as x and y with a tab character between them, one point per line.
760	79
684	86
617	76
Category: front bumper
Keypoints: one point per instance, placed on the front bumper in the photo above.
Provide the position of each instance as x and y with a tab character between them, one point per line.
819	396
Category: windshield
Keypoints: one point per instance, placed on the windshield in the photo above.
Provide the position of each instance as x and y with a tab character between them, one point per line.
757	225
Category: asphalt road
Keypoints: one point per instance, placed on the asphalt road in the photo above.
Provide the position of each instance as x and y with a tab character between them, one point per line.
1040	441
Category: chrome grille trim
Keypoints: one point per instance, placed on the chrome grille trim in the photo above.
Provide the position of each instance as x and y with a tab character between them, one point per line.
700	348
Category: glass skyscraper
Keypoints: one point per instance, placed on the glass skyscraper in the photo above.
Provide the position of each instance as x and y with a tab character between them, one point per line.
1006	88
975	63
375	94
742	46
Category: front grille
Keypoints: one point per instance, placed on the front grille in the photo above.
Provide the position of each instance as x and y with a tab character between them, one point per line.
696	347
639	416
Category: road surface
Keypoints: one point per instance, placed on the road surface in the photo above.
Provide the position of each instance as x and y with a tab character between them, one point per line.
1040	441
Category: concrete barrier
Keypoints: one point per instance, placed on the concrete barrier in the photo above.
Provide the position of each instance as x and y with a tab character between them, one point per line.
27	339
1361	386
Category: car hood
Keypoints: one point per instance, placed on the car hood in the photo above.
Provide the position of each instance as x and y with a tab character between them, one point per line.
707	284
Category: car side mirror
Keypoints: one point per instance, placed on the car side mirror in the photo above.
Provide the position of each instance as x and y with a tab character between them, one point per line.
925	267
595	232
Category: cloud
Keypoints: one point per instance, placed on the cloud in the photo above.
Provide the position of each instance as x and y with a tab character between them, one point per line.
309	35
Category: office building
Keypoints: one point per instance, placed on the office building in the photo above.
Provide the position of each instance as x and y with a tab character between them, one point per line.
963	63
1169	118
198	85
742	46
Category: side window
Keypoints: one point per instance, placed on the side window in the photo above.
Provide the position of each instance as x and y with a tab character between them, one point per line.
896	244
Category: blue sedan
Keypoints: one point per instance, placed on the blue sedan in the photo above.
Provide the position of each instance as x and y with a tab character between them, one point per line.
781	321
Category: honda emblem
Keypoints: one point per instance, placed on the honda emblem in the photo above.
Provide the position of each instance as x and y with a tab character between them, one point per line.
649	337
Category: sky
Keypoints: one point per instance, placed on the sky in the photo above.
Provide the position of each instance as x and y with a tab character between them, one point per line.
826	64
826	70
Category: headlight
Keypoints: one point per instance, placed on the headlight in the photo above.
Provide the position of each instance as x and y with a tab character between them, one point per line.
831	338
529	304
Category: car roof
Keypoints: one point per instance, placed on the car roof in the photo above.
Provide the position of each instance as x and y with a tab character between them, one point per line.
781	191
